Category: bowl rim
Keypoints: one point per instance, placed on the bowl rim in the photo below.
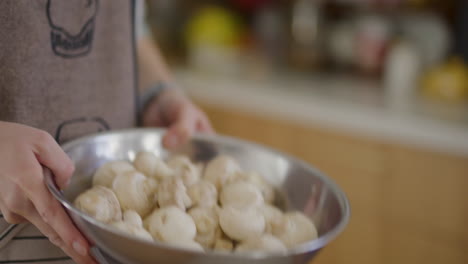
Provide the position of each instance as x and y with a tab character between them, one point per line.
306	247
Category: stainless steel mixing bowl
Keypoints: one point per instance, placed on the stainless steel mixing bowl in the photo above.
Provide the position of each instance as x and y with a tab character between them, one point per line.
300	187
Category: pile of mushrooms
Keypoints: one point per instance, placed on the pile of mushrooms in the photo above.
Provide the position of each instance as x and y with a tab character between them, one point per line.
214	207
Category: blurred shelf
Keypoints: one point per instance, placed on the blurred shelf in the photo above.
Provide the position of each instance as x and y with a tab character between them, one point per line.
341	103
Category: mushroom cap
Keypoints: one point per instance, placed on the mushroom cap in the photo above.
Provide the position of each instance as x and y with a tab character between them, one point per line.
267	190
135	192
241	195
185	169
152	166
139	232
171	224
272	215
172	192
240	224
220	169
132	218
101	203
207	223
106	174
294	228
203	194
187	244
265	243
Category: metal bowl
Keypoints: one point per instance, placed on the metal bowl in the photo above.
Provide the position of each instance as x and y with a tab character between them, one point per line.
300	187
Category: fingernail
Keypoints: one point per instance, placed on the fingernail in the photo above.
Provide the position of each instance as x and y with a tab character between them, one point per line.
79	248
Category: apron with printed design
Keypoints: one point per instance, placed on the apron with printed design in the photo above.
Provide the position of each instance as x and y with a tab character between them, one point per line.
65	66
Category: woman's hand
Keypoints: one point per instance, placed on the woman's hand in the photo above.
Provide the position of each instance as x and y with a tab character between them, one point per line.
174	110
23	194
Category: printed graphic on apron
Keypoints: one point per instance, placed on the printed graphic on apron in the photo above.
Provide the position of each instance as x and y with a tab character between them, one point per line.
82	125
72	31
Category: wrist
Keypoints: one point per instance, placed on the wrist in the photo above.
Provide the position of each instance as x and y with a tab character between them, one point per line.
155	93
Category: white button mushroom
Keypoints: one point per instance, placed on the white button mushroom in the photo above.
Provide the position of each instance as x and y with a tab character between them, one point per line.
133	231
105	174
152	166
273	216
247	216
187	244
132	218
135	192
267	190
170	224
220	169
295	228
240	224
100	203
265	243
133	225
241	195
206	221
185	169
203	194
172	192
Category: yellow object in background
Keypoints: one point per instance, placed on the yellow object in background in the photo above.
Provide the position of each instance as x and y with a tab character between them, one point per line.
213	37
447	82
214	26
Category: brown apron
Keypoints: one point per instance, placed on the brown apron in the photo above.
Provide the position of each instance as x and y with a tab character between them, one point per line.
65	64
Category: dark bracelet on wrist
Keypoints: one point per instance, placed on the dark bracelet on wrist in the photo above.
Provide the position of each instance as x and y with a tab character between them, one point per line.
150	94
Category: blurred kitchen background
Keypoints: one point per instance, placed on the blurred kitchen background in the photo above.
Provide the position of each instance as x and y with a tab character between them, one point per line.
372	92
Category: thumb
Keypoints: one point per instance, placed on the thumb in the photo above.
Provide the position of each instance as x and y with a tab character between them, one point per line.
51	155
178	133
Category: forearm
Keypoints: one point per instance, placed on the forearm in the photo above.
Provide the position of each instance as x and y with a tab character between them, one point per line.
156	83
152	68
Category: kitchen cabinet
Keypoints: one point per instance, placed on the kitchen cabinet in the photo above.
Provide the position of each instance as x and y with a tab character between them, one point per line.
409	204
